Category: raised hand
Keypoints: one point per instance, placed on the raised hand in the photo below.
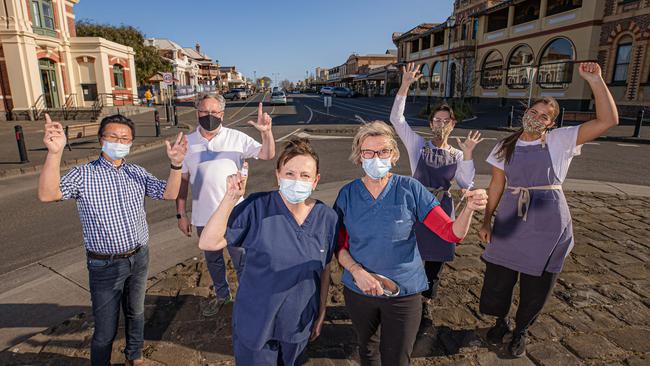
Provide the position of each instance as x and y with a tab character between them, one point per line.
473	138
54	138
176	153
236	183
590	71
410	74
263	120
476	199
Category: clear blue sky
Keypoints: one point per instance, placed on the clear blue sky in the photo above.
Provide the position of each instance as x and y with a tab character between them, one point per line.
287	37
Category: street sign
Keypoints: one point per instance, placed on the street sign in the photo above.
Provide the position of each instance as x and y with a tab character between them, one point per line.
328	103
168	78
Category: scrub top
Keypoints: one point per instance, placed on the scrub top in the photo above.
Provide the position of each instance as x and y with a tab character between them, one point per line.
381	231
279	291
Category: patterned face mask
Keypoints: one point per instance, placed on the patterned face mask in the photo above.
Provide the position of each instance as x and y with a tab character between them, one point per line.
532	125
441	131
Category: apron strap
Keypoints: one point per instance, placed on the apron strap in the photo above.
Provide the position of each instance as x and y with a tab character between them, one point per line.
523	202
439	192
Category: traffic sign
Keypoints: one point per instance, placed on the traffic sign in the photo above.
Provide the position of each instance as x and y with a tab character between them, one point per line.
168	78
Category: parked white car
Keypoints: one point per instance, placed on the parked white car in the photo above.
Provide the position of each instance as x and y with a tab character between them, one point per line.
278	98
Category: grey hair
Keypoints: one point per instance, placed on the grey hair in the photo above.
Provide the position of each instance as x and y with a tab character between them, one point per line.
374	128
219	98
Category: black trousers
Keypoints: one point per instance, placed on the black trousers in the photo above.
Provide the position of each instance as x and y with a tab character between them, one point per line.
496	295
433	271
399	319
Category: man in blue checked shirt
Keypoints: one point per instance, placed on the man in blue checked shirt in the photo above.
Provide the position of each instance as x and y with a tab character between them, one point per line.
110	196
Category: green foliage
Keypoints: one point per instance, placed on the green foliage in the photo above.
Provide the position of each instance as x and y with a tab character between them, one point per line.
147	60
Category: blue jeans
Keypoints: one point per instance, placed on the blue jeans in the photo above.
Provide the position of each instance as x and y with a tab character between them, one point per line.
217	267
114	283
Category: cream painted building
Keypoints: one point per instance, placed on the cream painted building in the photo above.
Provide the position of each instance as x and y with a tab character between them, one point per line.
43	65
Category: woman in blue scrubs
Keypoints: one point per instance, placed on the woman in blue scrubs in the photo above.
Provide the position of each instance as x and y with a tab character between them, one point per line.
289	240
377	215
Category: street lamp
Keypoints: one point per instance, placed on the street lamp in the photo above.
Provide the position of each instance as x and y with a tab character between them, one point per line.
451	22
530	74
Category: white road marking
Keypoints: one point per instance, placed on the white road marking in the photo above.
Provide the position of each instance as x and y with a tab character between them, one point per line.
627	145
311	114
288	135
592	143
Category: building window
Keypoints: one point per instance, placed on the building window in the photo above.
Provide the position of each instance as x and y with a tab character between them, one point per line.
436	73
415	46
560	6
426	42
118	76
424	80
623	55
43	17
438	38
475	28
492	71
518	65
556	65
463	32
526	11
497	20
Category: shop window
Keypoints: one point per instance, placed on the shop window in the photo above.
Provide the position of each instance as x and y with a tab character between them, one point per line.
492	71
519	63
556	65
424	80
436	73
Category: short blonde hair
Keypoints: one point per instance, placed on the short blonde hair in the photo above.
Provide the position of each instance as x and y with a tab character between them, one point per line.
372	129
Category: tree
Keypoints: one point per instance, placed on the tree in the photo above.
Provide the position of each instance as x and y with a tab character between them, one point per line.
147	60
286	84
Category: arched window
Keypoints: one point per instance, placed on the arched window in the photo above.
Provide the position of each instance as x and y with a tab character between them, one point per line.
492	70
436	73
623	56
556	65
424	80
118	76
519	63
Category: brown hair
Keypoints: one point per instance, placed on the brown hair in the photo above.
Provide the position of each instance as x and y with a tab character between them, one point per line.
296	147
508	144
444	107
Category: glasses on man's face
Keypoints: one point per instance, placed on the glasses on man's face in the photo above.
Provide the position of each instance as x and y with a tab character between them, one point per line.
211	113
382	154
441	120
115	138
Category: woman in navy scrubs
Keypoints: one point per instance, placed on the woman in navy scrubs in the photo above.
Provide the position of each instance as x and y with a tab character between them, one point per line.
289	240
377	215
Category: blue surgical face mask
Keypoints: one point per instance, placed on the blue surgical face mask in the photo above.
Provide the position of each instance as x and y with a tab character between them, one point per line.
376	168
295	191
115	150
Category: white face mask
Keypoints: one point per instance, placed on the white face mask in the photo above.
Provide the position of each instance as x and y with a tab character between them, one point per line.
115	150
376	168
295	191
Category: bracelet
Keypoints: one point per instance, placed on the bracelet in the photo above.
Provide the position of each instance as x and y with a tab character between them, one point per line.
352	266
175	167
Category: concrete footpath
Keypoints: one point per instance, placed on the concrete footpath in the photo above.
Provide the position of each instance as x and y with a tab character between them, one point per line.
599	313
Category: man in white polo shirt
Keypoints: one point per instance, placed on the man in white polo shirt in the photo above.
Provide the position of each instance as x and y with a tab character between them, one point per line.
215	152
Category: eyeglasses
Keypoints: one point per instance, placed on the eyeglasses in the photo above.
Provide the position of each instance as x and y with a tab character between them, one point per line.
121	140
441	120
382	154
213	113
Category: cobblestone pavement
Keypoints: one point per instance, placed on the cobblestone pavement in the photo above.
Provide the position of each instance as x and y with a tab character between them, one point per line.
599	313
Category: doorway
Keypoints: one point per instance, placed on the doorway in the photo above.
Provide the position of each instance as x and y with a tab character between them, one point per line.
47	69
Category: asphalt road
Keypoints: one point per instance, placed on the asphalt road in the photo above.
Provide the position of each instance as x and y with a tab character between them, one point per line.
33	230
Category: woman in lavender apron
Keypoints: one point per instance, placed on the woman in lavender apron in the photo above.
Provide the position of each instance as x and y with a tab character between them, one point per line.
532	231
435	164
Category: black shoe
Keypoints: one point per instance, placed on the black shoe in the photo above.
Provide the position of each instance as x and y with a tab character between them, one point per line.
498	331
517	346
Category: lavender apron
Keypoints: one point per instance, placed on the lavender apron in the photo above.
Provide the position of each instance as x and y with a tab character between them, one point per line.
435	170
532	230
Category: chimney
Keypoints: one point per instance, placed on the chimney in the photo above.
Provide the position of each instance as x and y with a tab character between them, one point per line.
198	47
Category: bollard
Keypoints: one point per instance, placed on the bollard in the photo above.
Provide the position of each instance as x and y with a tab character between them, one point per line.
560	123
20	140
175	116
156	119
639	122
167	112
511	116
